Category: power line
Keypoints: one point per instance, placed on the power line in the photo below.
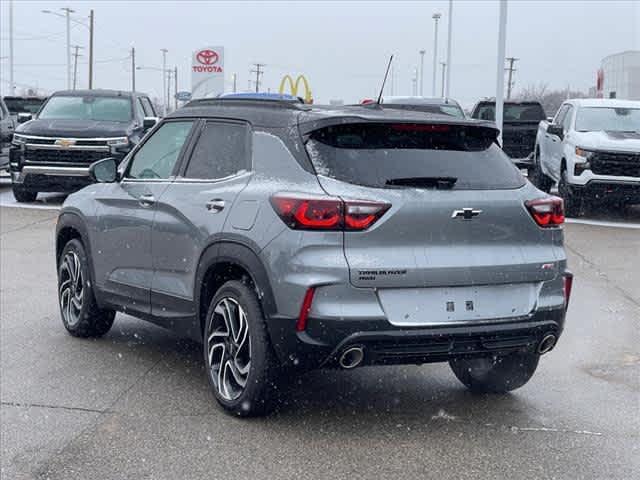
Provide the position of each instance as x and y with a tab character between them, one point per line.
511	70
258	73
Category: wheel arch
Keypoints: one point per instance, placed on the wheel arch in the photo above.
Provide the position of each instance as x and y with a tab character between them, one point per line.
230	260
71	225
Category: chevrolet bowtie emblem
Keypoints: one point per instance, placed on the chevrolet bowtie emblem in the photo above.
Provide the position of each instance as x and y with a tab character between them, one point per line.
466	213
65	142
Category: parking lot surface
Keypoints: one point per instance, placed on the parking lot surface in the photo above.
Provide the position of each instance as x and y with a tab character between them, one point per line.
136	403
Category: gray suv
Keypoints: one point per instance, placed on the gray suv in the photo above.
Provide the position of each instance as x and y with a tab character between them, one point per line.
291	237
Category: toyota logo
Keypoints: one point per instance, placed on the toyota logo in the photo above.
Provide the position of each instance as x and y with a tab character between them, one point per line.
207	57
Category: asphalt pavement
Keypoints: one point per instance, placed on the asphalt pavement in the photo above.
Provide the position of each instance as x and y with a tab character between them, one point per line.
136	403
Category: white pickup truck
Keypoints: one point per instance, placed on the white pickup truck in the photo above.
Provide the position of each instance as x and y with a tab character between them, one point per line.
592	150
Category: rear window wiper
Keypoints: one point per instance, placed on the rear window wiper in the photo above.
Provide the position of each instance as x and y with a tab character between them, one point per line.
424	182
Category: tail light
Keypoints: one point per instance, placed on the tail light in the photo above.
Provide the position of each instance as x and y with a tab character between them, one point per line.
567	285
301	325
327	213
547	212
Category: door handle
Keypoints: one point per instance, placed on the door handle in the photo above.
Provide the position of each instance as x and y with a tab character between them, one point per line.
216	205
146	200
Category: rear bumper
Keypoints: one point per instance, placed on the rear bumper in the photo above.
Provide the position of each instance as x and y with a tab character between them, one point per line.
609	190
323	341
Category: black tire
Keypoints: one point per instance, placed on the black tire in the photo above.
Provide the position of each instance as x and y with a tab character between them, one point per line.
21	195
89	320
573	201
537	176
495	374
255	394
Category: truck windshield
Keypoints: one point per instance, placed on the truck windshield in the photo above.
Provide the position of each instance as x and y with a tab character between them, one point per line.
522	112
23	105
414	156
592	119
106	109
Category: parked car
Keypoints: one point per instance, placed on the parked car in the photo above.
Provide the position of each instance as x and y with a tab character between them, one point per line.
286	236
592	150
6	132
53	151
520	125
445	106
23	104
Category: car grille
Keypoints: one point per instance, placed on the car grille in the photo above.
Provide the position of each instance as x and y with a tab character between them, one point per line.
37	155
616	164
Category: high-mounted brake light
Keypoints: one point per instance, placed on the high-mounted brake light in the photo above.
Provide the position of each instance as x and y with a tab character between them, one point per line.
327	213
420	127
547	212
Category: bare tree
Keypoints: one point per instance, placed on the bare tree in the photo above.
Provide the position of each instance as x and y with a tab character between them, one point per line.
550	99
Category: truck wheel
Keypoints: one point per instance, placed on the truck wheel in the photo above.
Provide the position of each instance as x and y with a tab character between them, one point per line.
21	195
573	202
80	313
537	176
240	362
495	374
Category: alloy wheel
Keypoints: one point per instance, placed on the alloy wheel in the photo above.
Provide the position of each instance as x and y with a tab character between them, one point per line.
71	290
229	348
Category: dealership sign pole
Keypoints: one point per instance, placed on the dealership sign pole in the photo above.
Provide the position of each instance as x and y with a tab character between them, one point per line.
207	72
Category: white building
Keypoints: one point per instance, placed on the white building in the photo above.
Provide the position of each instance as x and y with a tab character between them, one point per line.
619	76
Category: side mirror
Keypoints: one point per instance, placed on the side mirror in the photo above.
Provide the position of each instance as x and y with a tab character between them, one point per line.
104	171
149	122
24	117
554	129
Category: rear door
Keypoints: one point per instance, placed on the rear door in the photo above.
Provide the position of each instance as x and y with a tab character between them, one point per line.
193	212
457	229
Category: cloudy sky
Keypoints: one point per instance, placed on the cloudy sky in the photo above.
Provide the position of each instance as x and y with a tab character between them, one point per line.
342	47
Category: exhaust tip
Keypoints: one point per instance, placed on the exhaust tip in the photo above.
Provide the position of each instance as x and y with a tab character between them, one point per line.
547	343
351	357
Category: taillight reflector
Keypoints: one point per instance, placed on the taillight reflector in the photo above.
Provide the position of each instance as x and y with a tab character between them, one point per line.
303	213
567	285
547	212
301	325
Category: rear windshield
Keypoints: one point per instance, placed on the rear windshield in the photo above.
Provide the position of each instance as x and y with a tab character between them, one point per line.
106	109
388	155
443	109
512	112
23	105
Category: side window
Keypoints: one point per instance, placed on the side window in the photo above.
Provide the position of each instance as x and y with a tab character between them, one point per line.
222	150
566	121
140	113
148	107
158	155
559	118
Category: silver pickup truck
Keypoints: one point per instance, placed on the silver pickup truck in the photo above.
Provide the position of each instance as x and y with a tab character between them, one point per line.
592	150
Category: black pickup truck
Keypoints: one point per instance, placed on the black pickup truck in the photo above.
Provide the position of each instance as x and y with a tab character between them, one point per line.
53	151
520	127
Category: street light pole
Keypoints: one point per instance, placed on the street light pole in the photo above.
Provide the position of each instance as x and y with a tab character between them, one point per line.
175	86
90	49
75	64
164	80
502	41
422	52
68	13
12	87
436	17
444	69
133	69
446	91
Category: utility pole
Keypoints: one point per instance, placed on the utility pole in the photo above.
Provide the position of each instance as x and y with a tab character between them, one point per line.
168	76
258	72
133	69
502	42
75	64
12	87
422	52
235	79
511	82
68	13
444	69
447	92
90	49
436	17
164	81
175	86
